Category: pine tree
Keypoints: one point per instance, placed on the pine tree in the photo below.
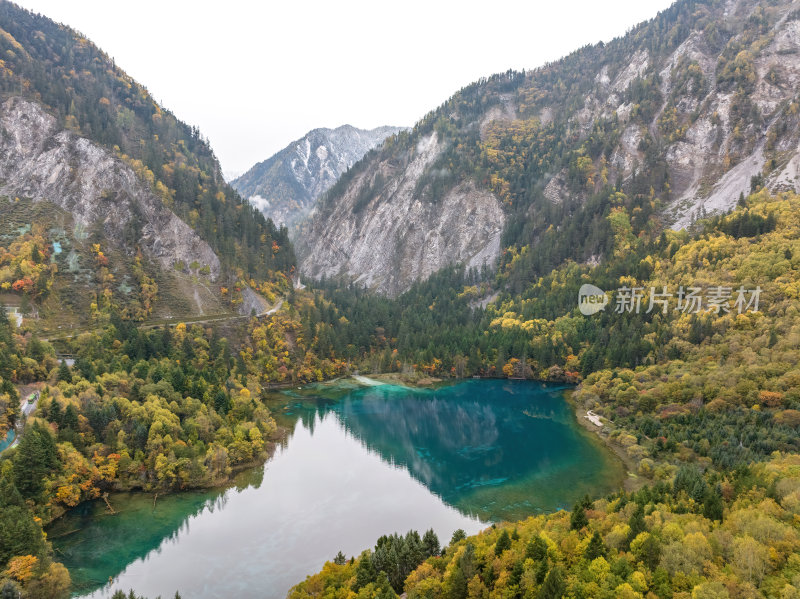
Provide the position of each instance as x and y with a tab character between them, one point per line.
365	572
383	588
554	586
13	411
596	547
70	419
503	543
536	549
713	508
10	590
578	519
458	535
4	322
430	544
636	523
541	571
36	457
649	552
64	372
465	568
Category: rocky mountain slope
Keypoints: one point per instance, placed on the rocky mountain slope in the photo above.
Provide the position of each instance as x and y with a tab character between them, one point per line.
389	244
669	123
41	161
88	94
108	201
285	186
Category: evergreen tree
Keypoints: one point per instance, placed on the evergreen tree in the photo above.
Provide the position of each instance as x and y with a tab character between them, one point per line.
503	543
19	533
70	418
554	586
64	372
458	535
54	412
365	572
536	549
13	411
430	543
541	571
596	547
649	552
10	590
463	571
713	507
383	590
9	494
636	523
36	457
222	402
578	519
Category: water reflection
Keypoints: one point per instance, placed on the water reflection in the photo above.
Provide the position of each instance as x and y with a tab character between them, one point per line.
480	445
359	463
321	493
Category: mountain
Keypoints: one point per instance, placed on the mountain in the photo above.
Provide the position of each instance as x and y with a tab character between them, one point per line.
107	198
670	122
41	161
285	186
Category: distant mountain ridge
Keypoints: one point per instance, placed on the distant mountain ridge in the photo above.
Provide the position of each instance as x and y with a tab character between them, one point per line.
286	186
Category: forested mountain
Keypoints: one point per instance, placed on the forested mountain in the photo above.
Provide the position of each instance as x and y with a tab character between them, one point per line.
670	121
286	186
96	175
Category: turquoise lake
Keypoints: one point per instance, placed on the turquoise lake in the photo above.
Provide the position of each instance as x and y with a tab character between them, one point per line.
359	462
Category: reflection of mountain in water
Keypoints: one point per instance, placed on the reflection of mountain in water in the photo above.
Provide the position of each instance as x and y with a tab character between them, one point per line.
459	438
492	449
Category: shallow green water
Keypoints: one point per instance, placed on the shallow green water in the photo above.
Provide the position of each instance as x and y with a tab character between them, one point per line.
8	440
360	462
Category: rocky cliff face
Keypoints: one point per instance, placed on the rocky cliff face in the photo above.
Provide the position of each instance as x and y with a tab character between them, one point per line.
725	110
285	186
398	238
671	122
40	161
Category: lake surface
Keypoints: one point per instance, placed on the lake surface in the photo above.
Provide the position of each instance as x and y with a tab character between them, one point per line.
360	462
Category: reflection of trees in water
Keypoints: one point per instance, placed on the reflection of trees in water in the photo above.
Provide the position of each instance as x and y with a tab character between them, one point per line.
111	542
474	437
252	477
459	437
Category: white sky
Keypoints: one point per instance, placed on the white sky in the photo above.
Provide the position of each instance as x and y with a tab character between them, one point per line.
253	76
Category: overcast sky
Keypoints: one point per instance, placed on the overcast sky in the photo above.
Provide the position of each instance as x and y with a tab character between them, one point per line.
253	76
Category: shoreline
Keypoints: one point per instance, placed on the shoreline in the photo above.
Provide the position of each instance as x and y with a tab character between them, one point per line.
221	485
633	481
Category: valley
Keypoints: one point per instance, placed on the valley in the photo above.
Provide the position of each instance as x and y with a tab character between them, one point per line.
361	369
